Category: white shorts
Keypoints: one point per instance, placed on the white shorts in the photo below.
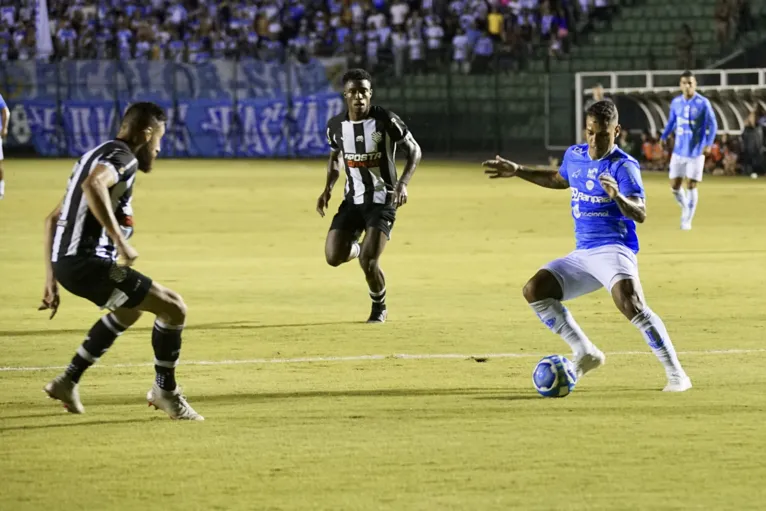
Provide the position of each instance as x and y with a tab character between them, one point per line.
1	149
690	168
587	270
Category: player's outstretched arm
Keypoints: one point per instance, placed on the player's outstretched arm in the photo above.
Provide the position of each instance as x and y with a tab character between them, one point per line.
500	167
51	299
632	207
414	154
333	173
96	189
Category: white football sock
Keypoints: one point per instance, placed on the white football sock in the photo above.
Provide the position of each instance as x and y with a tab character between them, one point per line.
657	337
680	196
558	319
2	187
355	251
693	199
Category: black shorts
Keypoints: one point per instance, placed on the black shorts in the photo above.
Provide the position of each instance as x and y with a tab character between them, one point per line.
102	281
357	218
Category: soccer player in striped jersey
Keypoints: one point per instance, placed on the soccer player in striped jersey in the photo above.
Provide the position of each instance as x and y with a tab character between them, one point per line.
363	141
84	237
693	119
607	202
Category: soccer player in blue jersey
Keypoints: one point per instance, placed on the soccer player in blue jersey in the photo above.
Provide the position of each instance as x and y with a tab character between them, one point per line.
5	116
693	119
607	201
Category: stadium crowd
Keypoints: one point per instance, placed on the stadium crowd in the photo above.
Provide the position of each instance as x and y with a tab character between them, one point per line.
414	35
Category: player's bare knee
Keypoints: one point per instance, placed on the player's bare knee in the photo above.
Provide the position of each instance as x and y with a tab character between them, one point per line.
369	264
543	285
627	298
174	308
333	258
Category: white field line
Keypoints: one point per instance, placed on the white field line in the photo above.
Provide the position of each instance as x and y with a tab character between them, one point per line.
359	358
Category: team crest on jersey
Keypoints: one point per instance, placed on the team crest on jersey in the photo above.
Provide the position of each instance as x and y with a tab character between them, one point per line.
592	173
694	110
360	138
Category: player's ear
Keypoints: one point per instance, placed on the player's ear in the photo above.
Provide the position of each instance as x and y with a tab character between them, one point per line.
370	91
147	135
617	131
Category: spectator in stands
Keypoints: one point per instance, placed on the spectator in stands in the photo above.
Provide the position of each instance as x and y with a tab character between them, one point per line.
731	151
417	53
745	17
483	51
684	46
752	147
461	49
715	157
495	22
399	48
434	36
399	11
626	143
722	15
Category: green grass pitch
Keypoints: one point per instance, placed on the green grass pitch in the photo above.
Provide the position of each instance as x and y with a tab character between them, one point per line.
302	414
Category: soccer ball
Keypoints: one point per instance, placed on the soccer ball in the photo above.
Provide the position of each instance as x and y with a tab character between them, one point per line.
554	376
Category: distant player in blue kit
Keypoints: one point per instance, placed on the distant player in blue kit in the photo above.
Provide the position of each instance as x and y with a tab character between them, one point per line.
5	116
693	119
607	201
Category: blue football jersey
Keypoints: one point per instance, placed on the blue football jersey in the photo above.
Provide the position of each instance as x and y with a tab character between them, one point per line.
597	218
694	123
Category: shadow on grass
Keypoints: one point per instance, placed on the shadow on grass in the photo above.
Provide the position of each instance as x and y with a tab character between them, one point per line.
32	427
235	325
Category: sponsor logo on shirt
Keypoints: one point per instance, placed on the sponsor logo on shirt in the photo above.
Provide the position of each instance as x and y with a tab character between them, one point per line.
364	159
593	199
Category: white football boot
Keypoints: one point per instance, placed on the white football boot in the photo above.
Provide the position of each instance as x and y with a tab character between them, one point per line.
65	390
173	403
589	361
677	382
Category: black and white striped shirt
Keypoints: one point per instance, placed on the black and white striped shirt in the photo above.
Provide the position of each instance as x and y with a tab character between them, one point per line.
78	232
369	152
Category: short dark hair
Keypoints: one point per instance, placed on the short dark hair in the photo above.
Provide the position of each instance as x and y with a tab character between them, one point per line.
687	74
140	116
605	112
356	75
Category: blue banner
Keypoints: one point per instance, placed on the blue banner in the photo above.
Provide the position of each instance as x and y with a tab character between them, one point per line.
216	109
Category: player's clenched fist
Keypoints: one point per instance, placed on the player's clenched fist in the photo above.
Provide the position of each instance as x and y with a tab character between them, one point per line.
609	185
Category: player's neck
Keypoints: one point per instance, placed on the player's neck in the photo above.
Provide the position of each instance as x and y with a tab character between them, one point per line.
687	98
122	138
606	153
358	117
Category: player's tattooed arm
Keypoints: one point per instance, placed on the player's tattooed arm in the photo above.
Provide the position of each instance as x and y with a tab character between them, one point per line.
334	164
96	190
632	207
500	167
414	154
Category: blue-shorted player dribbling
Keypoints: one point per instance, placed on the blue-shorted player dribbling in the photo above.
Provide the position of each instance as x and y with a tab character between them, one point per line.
607	201
693	119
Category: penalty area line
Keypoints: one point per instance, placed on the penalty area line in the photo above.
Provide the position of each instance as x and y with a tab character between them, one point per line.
363	358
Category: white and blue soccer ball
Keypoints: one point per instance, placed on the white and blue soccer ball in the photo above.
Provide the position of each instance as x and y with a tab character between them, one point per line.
554	376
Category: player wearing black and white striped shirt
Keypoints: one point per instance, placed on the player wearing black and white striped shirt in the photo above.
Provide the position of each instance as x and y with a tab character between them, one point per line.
85	234
363	141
